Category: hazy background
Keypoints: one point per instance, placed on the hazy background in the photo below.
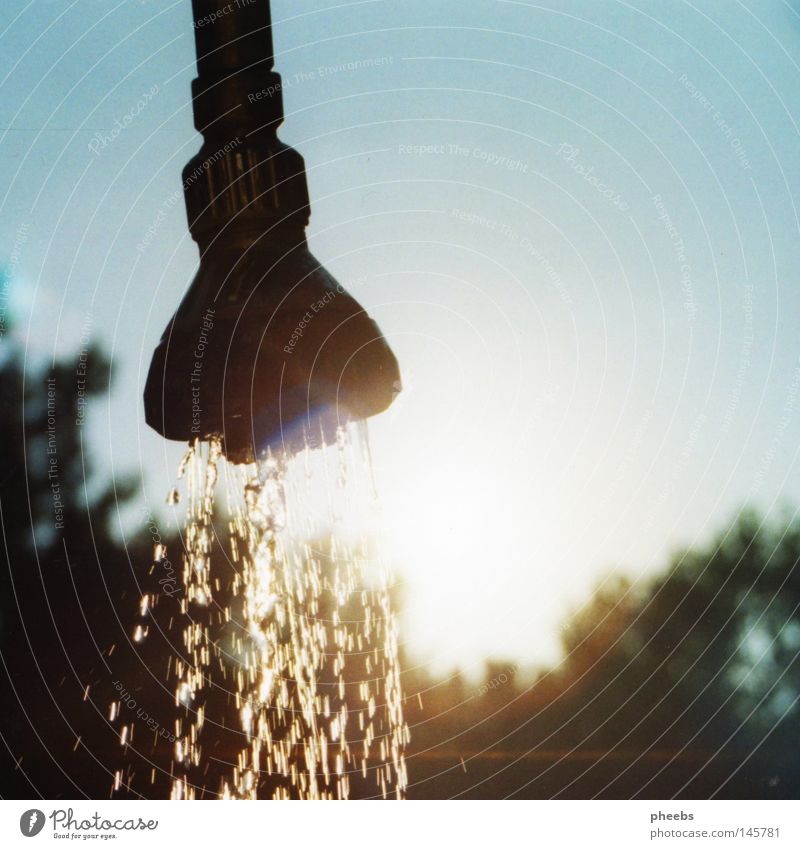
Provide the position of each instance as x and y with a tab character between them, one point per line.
593	377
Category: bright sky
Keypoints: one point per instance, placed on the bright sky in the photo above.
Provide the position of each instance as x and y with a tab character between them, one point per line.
574	221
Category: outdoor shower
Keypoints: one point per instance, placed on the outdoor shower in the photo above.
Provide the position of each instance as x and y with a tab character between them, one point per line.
266	348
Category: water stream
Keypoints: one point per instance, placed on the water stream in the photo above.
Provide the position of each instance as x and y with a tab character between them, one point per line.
290	650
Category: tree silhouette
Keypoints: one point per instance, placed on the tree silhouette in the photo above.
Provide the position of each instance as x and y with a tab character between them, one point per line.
68	589
687	685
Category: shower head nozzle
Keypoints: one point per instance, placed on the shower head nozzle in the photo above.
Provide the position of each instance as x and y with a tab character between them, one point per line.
266	350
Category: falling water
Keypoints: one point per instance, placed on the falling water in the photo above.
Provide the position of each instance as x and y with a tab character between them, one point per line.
291	620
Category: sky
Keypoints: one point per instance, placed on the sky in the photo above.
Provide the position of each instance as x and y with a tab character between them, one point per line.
575	222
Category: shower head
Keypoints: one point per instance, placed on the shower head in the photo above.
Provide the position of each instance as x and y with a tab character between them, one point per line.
266	350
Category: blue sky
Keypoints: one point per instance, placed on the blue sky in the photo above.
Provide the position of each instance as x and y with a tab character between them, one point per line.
575	222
